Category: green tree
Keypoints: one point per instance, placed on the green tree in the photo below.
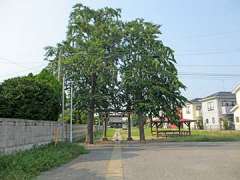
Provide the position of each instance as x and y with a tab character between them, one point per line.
148	73
30	97
90	55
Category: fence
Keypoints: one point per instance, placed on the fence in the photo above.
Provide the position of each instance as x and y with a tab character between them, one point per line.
20	134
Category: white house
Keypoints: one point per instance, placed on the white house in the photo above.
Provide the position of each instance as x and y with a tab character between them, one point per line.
192	110
216	108
236	108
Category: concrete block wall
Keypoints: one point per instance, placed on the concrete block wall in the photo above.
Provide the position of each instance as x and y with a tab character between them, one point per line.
79	131
20	134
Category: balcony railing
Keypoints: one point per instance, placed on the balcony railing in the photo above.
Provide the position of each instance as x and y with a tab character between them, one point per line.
227	109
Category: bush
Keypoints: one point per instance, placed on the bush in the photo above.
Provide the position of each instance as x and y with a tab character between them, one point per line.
28	164
31	97
225	124
200	124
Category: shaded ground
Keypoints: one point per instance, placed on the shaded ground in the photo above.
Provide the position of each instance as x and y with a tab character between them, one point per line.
170	161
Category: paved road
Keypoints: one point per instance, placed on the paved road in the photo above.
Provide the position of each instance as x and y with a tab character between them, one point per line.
171	161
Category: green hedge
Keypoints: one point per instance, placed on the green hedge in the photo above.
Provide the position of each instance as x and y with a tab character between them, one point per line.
31	97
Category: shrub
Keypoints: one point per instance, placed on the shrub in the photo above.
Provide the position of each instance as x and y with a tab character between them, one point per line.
225	124
200	124
31	97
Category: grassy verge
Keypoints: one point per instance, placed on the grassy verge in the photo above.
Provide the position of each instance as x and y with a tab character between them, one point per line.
205	136
197	136
28	164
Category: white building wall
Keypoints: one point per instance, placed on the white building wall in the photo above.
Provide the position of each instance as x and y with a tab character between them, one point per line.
187	115
212	115
193	114
237	112
237	119
238	97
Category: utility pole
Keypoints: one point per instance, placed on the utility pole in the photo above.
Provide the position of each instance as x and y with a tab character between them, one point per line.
63	80
63	93
71	111
59	64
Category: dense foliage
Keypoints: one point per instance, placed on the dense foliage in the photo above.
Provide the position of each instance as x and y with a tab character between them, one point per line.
28	164
116	65
90	58
31	97
148	73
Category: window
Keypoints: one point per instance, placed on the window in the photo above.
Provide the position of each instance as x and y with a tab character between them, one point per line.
237	119
207	121
210	106
188	110
213	120
230	103
198	108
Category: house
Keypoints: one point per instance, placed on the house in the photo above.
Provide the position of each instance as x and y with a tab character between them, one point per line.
116	120
216	111
236	108
192	111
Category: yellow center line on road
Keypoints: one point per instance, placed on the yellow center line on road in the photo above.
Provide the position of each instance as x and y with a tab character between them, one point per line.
114	169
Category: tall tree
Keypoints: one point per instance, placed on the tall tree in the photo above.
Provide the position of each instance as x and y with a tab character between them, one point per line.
90	57
148	72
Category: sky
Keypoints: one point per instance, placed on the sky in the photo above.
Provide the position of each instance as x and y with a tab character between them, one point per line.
204	34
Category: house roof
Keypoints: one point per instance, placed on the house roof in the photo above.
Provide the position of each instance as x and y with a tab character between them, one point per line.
192	101
196	100
219	94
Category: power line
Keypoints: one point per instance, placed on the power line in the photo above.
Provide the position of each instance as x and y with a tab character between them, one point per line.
207	53
12	62
4	62
208	65
206	78
20	72
209	74
210	35
116	52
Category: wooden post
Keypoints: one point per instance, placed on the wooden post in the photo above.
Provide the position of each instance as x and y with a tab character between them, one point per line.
157	128
179	128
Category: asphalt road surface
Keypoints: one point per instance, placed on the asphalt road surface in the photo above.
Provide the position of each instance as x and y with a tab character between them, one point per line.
156	161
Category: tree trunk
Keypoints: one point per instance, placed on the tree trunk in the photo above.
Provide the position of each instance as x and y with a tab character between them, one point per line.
151	123
105	127
141	127
91	110
129	128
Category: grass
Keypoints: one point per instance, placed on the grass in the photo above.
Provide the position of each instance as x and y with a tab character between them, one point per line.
135	133
28	164
110	132
197	136
97	135
205	136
